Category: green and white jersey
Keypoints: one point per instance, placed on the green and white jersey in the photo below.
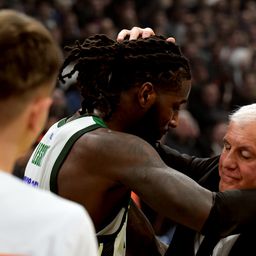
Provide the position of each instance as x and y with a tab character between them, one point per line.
45	162
112	238
44	165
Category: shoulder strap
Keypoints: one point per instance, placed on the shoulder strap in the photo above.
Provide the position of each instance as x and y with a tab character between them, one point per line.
66	149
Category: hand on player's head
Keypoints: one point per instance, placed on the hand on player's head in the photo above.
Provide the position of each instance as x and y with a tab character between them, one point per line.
137	32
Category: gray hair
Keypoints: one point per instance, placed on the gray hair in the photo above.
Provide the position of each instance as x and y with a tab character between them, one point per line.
244	114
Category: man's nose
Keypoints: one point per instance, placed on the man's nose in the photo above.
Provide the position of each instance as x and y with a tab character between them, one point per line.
229	160
174	120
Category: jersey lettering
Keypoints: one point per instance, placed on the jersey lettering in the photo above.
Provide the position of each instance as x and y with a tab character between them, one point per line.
40	153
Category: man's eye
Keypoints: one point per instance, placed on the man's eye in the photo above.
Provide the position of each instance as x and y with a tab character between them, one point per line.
226	146
245	154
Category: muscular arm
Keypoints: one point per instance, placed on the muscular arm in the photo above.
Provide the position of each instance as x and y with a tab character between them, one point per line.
131	163
134	163
192	166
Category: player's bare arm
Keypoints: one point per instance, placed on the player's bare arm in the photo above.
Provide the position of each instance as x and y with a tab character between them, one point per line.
139	167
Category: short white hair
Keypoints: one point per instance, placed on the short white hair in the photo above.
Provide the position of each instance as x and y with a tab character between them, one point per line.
244	114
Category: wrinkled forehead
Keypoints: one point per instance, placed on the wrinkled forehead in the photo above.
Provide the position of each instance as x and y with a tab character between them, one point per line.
244	132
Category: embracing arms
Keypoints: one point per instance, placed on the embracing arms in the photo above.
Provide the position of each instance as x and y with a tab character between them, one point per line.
131	161
226	215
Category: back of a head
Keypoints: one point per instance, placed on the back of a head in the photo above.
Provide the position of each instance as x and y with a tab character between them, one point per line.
29	57
244	115
106	68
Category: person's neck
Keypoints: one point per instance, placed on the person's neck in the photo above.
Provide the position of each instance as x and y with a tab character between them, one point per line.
120	122
115	125
121	125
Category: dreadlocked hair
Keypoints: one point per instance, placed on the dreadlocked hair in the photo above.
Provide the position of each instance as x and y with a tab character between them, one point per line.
106	68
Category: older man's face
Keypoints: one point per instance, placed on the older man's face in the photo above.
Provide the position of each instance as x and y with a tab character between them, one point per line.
237	167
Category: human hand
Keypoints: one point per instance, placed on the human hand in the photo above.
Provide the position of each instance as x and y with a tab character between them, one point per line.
137	32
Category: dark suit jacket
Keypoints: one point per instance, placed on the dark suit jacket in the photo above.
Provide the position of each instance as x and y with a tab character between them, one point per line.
205	172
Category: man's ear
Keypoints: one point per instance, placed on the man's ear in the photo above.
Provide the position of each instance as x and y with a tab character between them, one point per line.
39	113
147	95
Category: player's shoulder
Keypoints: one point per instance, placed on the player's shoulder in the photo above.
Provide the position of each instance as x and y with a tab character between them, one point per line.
107	142
104	136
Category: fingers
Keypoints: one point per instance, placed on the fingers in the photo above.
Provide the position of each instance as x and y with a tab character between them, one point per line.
134	33
137	32
147	32
171	39
122	35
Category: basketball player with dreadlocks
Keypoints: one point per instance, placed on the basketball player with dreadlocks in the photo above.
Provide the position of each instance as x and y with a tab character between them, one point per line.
132	92
135	87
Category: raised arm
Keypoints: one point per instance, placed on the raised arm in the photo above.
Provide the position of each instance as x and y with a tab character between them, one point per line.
132	162
192	166
184	201
128	160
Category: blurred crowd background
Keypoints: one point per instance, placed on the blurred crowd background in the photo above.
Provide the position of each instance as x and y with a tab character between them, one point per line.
217	36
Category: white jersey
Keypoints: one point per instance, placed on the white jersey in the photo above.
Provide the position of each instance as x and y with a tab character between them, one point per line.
39	223
45	162
44	165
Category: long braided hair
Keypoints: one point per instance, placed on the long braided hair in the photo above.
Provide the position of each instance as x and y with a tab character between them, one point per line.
106	68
